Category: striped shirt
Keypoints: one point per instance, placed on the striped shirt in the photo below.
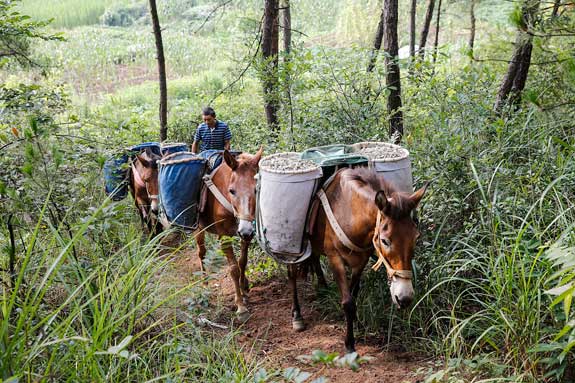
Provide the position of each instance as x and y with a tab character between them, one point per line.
213	138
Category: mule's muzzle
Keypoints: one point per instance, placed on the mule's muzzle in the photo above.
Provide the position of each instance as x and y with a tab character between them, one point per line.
245	230
402	292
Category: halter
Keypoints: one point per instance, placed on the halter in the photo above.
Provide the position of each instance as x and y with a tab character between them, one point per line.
391	272
140	182
222	198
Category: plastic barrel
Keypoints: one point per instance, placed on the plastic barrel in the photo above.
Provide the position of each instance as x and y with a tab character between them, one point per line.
180	181
116	177
174	147
154	146
395	170
283	200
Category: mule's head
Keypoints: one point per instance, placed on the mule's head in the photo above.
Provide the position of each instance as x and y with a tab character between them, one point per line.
147	167
242	189
394	241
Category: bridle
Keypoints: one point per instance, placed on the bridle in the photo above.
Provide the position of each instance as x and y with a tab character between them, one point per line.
391	272
140	182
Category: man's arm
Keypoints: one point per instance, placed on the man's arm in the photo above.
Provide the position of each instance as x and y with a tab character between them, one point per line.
227	144
195	147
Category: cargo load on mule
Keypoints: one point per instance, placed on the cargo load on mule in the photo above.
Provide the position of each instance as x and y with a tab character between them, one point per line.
117	166
286	185
173	147
290	191
180	181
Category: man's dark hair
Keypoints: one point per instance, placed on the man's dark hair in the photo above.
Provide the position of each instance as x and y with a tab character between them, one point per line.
208	111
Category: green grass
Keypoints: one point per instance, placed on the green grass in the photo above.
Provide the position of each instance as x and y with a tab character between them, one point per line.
68	13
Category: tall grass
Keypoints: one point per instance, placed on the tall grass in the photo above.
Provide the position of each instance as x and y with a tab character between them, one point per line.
74	313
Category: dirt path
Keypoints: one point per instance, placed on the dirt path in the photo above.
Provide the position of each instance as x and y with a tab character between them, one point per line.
269	334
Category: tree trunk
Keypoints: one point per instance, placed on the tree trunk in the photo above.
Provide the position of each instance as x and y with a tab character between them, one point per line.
436	41
286	24
270	36
393	80
412	13
376	44
472	32
555	11
514	81
426	24
161	71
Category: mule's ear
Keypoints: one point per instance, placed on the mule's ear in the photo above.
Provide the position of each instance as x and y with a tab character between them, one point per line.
230	160
418	195
258	155
143	160
381	200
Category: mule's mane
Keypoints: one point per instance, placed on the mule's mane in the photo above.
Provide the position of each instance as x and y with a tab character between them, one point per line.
400	204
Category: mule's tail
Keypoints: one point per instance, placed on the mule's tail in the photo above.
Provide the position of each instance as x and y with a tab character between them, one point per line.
310	265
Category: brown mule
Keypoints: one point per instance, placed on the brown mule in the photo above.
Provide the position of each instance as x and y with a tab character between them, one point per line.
364	204
235	180
143	181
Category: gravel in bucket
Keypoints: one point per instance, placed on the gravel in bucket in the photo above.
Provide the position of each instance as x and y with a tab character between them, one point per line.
382	151
287	163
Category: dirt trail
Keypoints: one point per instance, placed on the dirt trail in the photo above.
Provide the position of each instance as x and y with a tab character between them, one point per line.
269	333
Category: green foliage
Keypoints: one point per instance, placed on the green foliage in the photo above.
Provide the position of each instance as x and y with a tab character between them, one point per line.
124	15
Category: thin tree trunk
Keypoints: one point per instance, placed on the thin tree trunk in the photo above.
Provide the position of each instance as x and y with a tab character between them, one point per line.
426	24
436	41
376	43
286	24
270	36
161	71
514	81
472	32
556	6
393	79
412	13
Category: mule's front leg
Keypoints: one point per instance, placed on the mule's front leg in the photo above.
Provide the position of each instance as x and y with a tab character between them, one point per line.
242	263
201	248
297	320
347	301
228	250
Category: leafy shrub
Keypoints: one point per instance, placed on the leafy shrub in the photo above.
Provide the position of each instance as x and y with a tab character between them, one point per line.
124	15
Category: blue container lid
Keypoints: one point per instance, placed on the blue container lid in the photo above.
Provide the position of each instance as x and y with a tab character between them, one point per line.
154	146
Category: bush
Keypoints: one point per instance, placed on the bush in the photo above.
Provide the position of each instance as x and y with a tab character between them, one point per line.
122	15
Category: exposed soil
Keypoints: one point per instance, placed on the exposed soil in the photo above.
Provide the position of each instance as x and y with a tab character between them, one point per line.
268	332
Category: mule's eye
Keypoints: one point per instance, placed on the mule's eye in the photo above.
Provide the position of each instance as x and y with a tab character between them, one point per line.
385	242
232	191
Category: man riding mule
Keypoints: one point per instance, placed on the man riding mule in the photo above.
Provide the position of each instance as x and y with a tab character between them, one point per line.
361	211
229	210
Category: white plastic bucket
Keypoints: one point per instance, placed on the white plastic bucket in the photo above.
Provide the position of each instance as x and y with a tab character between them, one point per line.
283	200
395	170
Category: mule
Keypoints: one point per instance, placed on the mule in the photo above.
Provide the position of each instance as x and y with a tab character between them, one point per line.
235	180
143	182
371	213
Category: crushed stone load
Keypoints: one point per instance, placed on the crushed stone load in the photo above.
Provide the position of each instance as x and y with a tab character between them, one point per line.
287	163
377	151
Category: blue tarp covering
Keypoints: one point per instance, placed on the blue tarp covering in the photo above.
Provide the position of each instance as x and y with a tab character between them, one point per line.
116	177
174	148
154	146
180	185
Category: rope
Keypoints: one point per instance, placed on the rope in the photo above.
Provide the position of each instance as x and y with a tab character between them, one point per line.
217	193
335	225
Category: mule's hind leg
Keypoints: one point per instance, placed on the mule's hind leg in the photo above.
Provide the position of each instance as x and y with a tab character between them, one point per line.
318	271
242	263
201	248
297	320
228	250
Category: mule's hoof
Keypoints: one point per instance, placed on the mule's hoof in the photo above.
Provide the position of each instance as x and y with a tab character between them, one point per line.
243	314
298	325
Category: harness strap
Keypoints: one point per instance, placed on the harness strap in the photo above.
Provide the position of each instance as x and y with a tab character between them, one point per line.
220	197
335	225
137	177
391	272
